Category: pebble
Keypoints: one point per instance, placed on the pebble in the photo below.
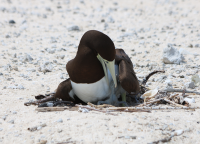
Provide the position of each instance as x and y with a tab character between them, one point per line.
59	120
60	56
19	86
172	55
27	58
45	67
42	142
51	51
177	132
15	68
31	69
189	100
190	85
4	118
73	28
59	130
12	22
11	121
196	45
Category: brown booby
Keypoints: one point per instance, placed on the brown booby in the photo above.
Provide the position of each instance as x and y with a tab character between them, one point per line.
99	73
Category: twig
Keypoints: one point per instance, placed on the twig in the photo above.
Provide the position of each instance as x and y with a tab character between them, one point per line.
127	109
172	96
171	102
167	139
150	102
48	109
100	106
183	94
180	90
149	75
91	108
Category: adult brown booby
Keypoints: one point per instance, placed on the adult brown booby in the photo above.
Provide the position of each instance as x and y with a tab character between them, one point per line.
99	73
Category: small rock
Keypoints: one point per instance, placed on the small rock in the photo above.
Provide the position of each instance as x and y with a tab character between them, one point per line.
11	22
39	127
45	67
190	45
60	120
51	51
27	58
43	142
189	100
60	56
11	121
15	68
1	129
73	28
13	48
177	132
196	79
172	55
197	45
190	85
31	69
59	130
7	36
4	117
8	67
127	137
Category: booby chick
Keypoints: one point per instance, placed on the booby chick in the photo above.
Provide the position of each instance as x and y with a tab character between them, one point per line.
99	73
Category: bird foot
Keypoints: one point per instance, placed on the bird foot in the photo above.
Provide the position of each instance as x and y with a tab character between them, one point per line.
124	103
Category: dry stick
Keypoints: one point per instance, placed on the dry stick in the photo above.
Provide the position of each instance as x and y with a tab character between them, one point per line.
172	96
49	98
150	102
183	94
180	90
48	109
167	139
127	109
99	106
149	75
91	108
152	108
171	102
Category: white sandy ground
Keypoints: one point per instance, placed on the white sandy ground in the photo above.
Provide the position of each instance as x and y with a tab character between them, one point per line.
134	25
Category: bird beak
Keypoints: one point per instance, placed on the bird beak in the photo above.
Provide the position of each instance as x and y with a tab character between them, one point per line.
108	65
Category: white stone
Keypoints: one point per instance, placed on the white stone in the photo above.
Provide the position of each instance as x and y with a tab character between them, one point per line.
172	55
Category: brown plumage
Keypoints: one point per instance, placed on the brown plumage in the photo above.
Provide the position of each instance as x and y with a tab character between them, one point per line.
63	90
127	77
85	67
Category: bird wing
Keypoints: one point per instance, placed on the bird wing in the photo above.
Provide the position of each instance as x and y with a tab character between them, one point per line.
63	92
127	77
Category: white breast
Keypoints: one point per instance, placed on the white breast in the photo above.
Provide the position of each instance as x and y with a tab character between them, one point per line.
93	92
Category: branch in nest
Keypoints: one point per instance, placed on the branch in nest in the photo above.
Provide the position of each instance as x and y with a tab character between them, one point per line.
92	108
173	103
150	102
149	75
180	90
143	89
